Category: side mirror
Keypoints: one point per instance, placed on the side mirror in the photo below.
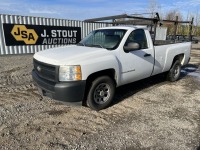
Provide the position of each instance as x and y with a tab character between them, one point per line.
131	47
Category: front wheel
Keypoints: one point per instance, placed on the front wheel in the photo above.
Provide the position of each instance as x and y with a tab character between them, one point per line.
174	72
101	93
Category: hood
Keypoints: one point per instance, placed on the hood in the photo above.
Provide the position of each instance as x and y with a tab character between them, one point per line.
69	55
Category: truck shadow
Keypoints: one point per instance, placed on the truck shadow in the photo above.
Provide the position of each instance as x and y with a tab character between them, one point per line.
128	90
189	69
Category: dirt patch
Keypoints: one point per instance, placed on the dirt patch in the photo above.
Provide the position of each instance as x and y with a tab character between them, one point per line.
148	114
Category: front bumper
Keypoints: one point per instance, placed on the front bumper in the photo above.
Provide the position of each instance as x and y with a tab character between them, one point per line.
63	91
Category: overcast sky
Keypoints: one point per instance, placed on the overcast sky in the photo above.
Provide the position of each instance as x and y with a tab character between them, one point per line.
84	9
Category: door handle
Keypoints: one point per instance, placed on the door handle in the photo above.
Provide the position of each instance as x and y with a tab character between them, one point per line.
147	55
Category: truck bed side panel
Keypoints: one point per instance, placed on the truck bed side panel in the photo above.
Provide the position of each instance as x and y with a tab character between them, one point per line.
165	54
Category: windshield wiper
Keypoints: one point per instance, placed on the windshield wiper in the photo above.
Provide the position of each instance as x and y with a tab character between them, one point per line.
99	45
90	45
80	44
95	45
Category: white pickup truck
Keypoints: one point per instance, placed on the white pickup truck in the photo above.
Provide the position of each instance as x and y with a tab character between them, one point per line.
90	71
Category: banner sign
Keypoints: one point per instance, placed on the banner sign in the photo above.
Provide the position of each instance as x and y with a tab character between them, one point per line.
19	34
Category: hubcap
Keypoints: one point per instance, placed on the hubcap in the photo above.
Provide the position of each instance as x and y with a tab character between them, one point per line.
102	93
176	71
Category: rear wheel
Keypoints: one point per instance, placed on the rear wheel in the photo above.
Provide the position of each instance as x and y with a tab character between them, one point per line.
174	72
101	93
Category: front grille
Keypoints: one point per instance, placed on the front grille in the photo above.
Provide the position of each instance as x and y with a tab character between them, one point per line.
45	71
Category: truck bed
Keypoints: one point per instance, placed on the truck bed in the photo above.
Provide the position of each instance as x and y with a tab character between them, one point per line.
166	42
164	55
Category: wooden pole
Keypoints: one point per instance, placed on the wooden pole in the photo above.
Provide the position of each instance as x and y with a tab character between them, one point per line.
190	32
175	28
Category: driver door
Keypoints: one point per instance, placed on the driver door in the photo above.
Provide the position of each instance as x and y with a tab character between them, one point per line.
137	64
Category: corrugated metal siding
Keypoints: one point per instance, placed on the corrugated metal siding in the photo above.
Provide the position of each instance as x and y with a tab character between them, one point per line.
15	19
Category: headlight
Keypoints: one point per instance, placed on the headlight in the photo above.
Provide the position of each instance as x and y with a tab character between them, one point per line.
70	73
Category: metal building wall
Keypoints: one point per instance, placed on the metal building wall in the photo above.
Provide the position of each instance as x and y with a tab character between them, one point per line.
16	19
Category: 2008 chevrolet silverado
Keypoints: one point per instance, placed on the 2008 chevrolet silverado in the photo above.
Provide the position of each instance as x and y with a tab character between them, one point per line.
107	58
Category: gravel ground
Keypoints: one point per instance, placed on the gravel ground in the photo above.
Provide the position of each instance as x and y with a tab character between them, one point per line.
149	114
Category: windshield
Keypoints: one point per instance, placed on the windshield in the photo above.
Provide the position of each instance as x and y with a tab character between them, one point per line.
105	38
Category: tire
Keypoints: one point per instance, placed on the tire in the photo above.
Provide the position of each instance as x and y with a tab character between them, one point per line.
101	93
174	72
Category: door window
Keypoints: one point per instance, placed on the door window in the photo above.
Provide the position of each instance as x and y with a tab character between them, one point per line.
138	36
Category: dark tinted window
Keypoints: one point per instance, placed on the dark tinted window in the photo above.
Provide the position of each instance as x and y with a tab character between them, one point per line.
138	36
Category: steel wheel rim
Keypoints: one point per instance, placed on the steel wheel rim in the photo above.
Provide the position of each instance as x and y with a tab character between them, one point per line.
176	71
102	93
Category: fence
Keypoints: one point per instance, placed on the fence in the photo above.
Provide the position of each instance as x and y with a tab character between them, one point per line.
29	20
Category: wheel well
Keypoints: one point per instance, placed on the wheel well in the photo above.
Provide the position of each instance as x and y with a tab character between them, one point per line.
92	77
108	72
178	57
